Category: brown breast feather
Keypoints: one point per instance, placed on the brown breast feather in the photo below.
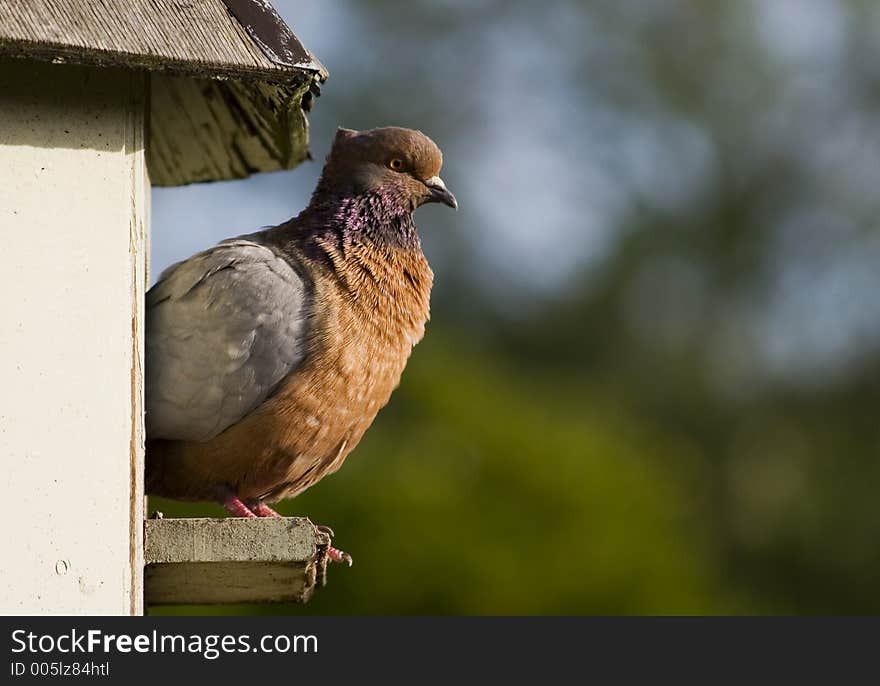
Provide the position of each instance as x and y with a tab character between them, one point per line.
370	309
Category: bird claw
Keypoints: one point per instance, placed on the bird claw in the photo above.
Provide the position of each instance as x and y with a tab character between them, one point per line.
324	529
259	509
334	554
339	555
237	508
262	510
250	510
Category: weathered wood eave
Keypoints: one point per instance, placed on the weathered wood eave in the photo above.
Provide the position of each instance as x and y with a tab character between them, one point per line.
230	83
213	129
59	53
208	38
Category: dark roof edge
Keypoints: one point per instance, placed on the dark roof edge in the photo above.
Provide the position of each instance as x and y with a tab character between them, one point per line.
272	35
61	53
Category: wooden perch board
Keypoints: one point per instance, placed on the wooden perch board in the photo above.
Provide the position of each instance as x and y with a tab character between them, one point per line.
232	560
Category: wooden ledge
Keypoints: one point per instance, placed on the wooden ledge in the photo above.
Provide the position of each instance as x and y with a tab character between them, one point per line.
232	560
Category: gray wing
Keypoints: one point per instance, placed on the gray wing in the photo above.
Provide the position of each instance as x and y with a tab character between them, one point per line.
223	328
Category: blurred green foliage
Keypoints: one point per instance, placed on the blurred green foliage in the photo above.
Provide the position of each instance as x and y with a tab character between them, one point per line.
652	377
482	490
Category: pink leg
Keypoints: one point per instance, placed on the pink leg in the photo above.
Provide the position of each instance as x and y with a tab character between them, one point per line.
335	554
338	555
236	507
234	504
263	510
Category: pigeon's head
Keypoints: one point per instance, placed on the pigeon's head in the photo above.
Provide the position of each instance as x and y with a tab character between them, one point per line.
397	163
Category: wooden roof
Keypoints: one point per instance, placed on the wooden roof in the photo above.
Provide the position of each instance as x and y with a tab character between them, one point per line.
242	77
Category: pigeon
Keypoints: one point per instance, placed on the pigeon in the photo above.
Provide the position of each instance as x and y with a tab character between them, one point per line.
269	355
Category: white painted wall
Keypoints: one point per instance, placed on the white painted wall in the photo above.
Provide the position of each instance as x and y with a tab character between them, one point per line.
73	217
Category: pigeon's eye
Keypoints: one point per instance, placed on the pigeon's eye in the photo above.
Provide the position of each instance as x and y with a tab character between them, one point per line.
396	163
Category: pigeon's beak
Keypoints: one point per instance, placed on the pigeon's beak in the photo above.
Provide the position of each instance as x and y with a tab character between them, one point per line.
439	192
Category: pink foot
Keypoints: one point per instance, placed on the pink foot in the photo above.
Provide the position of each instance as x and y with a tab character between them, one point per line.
263	510
237	508
338	555
335	554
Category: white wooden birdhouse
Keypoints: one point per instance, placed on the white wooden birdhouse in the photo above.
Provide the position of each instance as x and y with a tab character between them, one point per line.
98	100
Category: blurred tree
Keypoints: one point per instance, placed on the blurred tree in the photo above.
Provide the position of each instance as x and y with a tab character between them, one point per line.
652	379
